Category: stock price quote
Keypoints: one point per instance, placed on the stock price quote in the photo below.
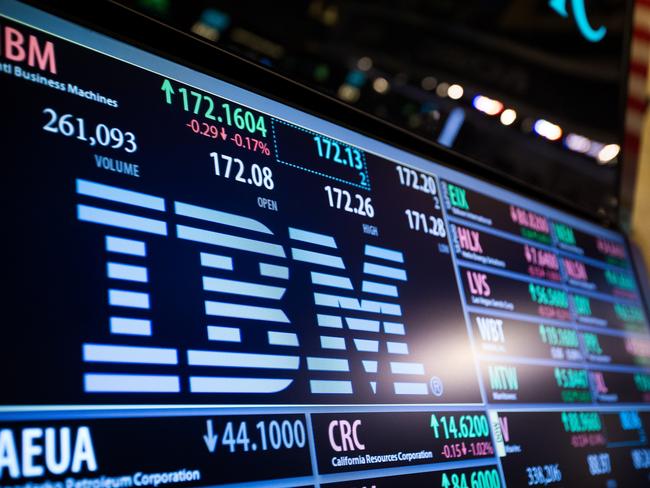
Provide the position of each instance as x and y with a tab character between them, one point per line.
209	287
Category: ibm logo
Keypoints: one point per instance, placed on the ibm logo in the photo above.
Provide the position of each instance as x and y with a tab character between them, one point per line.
245	272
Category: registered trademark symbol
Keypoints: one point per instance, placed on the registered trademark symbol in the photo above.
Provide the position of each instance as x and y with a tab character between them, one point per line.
437	387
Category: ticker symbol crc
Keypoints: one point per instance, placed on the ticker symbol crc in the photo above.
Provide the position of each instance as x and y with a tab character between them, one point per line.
344	436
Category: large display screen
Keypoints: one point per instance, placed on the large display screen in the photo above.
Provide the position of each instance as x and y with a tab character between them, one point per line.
204	286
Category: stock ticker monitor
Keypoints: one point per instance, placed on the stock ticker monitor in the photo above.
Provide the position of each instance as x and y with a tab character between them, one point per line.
213	276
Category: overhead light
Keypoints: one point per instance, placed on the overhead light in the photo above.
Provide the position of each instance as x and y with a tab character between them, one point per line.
577	143
442	89
608	153
487	105
348	93
204	30
355	78
215	18
455	91
428	83
380	85
508	116
330	16
364	63
595	149
547	129
321	72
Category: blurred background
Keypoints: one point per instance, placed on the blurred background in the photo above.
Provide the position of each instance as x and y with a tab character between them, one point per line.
552	92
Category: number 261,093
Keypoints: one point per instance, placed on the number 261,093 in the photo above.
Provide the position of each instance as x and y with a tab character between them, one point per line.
70	126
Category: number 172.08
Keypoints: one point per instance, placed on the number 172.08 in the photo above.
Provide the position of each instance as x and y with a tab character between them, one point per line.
260	176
